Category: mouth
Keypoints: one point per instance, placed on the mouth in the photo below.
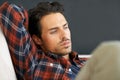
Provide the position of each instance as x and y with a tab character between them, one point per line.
66	43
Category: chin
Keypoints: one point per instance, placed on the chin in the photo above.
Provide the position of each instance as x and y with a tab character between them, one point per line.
67	51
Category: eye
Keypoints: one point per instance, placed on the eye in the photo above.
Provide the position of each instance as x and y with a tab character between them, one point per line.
66	26
53	31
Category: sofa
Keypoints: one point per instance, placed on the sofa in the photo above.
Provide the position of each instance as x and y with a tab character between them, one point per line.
7	71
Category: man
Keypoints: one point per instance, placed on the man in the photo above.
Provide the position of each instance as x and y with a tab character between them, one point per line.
48	54
49	28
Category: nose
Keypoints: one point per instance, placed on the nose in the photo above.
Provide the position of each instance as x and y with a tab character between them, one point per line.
64	34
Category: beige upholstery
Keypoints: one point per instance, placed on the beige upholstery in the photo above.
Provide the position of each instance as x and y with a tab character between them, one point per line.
104	63
6	67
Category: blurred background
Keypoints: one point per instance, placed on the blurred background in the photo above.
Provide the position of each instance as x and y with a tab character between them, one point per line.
91	21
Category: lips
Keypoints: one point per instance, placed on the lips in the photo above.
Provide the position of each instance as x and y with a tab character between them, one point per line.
66	43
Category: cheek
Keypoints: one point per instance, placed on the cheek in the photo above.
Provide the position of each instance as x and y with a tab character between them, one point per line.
51	44
69	33
50	41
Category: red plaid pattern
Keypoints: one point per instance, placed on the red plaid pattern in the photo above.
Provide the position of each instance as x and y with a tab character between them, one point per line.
29	62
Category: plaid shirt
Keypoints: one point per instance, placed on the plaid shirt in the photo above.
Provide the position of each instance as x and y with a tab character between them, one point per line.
29	62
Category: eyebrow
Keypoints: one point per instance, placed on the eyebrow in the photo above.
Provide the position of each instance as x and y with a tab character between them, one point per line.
57	27
53	28
65	24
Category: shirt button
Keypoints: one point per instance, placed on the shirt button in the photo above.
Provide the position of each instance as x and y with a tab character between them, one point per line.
51	64
69	70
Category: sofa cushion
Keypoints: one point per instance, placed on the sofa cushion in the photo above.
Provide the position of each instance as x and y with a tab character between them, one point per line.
6	67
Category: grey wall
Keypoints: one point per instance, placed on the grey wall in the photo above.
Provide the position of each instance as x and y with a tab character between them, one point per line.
90	21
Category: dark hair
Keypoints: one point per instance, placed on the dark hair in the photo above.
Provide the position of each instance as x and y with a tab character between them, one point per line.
36	13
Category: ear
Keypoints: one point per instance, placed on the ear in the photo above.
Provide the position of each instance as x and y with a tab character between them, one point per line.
37	40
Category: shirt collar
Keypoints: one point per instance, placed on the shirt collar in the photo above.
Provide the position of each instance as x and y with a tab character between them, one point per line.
73	55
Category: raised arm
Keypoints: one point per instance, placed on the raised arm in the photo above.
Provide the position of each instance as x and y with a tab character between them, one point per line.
13	22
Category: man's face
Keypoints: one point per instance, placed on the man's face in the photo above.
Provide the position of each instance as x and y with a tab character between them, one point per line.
55	35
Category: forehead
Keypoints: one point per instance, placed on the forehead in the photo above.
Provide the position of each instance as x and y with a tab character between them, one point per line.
52	20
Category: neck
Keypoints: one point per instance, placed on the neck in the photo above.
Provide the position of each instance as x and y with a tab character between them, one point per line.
66	57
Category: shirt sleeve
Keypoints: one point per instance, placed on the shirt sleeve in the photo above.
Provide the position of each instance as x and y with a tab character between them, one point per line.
13	22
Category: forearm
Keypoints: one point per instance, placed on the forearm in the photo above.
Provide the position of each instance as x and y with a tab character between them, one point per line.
13	21
12	24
